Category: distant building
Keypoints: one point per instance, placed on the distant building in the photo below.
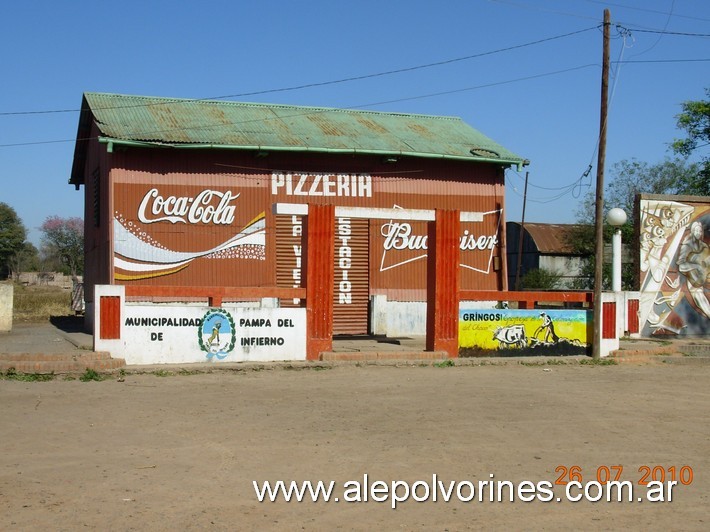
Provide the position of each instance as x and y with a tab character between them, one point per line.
545	246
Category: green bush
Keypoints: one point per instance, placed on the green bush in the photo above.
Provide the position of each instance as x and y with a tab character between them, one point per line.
541	279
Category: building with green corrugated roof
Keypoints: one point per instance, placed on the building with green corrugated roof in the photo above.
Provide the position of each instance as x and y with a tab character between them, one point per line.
180	193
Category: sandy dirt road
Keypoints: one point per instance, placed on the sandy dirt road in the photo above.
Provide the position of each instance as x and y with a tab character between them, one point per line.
181	452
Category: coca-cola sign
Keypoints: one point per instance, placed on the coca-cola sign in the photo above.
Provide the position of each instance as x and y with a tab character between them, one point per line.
207	207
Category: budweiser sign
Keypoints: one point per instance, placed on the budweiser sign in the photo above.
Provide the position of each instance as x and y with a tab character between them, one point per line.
402	245
399	236
208	207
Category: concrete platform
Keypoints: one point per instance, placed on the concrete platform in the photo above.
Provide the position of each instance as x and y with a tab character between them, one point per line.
62	346
59	346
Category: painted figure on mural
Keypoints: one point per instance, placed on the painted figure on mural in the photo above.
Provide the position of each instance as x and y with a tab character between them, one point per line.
215	334
549	327
654	235
694	262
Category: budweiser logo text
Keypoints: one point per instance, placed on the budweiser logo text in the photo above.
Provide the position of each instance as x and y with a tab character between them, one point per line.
399	236
200	209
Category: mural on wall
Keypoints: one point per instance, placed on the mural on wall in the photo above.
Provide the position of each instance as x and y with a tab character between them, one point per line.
176	230
216	334
509	332
675	265
139	255
176	333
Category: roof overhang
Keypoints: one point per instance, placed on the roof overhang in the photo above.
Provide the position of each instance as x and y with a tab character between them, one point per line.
111	142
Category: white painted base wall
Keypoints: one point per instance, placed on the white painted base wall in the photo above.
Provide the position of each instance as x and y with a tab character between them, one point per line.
408	318
6	302
175	333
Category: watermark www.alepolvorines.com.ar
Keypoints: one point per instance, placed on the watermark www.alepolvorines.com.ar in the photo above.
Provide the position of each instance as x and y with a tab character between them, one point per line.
435	489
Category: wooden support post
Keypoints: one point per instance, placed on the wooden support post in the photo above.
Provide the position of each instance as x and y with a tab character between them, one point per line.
320	276
442	331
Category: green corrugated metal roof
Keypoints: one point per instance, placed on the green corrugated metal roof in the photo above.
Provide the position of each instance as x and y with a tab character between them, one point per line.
209	123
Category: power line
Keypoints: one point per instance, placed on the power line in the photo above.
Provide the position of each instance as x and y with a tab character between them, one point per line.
587	17
476	87
660	36
646	10
331	82
664	32
374	104
544	10
315	112
661	61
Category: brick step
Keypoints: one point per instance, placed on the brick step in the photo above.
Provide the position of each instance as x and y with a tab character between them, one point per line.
664	352
701	350
54	357
332	356
67	364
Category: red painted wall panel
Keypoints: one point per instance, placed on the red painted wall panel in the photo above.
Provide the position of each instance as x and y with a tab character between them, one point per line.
110	327
609	320
632	315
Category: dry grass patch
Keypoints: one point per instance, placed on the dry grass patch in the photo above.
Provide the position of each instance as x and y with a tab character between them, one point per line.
39	303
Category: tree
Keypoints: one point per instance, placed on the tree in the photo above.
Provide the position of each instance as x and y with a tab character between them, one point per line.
695	120
63	238
12	237
631	177
24	260
627	179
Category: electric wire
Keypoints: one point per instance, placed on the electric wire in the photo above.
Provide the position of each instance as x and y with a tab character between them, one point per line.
543	10
308	113
645	10
660	36
576	187
331	82
678	33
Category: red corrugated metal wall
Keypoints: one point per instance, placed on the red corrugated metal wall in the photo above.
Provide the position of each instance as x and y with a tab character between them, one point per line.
352	291
632	315
155	192
289	255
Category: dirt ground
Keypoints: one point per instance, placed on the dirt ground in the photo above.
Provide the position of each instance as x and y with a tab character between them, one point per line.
181	452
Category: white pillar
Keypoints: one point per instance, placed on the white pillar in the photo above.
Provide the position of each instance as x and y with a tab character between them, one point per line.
616	261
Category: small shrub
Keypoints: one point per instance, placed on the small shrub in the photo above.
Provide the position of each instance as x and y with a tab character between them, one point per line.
599	362
541	279
90	375
12	375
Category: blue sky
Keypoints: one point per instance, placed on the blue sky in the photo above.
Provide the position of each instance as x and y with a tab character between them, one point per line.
541	100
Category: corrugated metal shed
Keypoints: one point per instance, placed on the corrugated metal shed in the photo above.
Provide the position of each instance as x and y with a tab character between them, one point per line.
551	238
248	126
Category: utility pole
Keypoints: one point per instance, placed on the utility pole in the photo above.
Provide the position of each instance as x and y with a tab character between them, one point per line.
521	234
599	218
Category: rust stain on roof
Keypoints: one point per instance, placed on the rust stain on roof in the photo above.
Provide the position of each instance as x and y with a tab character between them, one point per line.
551	238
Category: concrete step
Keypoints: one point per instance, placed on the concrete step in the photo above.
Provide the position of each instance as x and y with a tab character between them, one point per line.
364	356
698	350
663	352
55	357
59	363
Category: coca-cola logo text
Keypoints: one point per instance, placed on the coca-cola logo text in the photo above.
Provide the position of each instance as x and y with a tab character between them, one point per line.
208	207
